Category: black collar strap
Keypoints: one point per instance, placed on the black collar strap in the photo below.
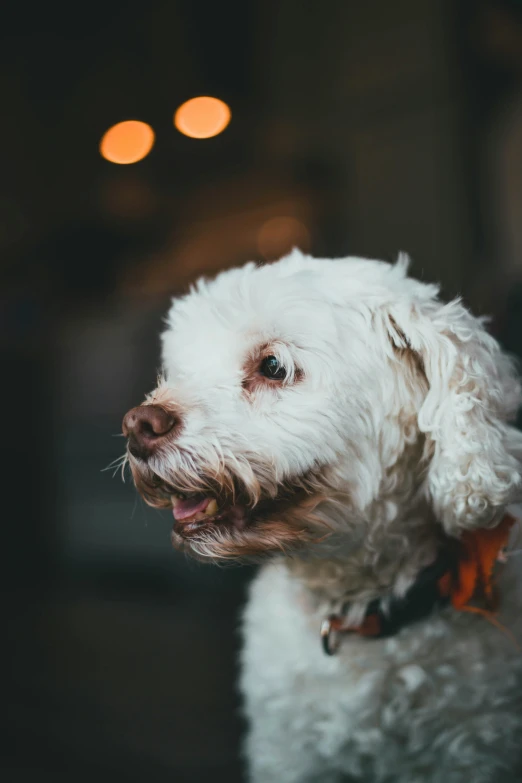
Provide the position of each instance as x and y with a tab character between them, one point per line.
431	589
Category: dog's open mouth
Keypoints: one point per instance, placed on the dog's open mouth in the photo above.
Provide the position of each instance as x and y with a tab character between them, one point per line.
222	521
195	514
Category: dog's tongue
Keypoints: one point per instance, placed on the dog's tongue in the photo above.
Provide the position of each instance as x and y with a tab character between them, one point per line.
183	509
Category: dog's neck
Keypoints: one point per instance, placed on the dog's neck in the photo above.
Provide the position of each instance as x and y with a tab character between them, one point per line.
385	529
385	562
378	551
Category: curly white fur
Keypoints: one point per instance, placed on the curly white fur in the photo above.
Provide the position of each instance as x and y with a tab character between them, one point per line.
395	417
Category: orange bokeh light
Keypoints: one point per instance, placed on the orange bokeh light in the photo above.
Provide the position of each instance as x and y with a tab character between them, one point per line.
202	118
127	142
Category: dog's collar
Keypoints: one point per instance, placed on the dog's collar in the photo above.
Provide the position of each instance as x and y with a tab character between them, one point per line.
461	572
386	618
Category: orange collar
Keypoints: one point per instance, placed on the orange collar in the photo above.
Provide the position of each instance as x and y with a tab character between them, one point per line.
479	551
460	578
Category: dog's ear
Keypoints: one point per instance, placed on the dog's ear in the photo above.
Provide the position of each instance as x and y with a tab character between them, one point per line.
472	393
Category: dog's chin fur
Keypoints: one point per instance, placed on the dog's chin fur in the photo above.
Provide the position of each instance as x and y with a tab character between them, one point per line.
283	522
404	403
283	533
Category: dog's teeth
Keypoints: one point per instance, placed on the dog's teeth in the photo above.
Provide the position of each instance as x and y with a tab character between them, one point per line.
212	508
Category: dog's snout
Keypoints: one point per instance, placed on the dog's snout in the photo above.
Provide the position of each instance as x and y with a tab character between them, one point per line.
145	427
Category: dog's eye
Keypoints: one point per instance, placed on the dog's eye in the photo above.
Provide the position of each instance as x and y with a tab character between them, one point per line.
272	368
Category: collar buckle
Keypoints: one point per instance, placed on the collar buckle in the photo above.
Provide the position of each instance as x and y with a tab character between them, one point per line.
330	634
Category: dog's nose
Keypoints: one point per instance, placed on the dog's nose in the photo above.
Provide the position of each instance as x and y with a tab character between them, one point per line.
145	427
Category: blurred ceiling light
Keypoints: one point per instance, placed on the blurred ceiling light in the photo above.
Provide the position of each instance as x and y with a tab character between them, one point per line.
279	235
202	118
127	142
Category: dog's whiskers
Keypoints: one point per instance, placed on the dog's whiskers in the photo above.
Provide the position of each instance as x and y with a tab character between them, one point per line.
117	465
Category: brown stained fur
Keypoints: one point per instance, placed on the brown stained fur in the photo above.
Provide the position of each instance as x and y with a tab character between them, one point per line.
157	493
285	534
412	359
278	524
149	486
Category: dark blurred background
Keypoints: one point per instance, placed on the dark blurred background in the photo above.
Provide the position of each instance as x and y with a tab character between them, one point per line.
357	128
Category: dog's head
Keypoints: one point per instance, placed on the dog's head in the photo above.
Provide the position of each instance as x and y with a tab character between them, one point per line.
298	395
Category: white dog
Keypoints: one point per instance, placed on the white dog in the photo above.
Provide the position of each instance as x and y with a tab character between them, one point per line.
335	420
